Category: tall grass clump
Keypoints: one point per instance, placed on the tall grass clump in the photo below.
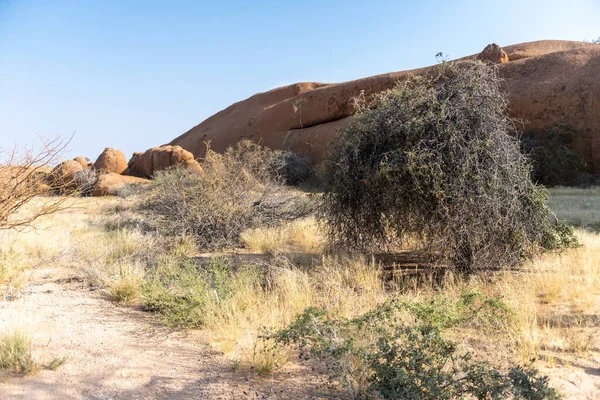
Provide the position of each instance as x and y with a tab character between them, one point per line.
436	158
15	354
188	293
238	190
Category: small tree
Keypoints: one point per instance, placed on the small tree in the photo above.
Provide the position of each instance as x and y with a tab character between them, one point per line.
22	177
436	158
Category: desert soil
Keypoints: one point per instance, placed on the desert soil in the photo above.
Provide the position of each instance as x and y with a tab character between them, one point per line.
115	352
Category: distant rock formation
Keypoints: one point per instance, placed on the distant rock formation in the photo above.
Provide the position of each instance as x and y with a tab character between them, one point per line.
493	54
111	160
549	82
109	184
146	164
63	177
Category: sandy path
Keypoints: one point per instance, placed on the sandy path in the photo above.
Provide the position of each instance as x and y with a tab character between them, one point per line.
112	352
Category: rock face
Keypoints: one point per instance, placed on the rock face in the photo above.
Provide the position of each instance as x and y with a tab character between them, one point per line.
549	82
63	176
493	54
109	184
146	164
111	160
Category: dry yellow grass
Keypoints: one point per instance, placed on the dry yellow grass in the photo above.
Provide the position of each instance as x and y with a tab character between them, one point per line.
555	297
345	287
552	294
15	354
54	239
298	236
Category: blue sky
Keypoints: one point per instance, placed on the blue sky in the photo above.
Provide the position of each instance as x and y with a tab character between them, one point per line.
134	74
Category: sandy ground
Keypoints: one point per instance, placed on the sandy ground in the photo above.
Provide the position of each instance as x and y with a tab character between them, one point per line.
117	352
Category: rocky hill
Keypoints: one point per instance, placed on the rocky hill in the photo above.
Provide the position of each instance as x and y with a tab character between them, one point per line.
549	82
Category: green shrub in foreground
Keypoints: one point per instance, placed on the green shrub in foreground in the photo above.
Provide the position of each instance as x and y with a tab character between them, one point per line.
398	350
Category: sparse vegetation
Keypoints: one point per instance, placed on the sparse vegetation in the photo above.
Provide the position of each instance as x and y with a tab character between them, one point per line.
15	354
56	363
381	331
548	303
268	356
297	107
292	168
237	191
434	159
297	236
125	290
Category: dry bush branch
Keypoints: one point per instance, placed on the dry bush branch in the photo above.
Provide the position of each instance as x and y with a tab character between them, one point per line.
23	173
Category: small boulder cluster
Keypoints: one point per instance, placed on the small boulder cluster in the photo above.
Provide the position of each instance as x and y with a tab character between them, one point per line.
111	171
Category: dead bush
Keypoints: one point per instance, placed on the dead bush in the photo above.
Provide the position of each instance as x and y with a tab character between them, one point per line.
22	177
237	191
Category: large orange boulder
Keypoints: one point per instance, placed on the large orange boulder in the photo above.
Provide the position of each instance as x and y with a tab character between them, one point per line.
493	54
65	171
109	184
549	82
111	160
82	160
146	164
63	177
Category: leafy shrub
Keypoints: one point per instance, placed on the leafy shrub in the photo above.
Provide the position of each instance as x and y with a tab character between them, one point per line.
553	159
398	350
237	191
435	158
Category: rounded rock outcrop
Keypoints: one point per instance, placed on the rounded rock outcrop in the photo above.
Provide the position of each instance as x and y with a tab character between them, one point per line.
493	54
110	184
82	160
63	177
111	160
146	164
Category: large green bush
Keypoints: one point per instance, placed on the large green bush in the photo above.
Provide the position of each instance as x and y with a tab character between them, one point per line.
399	351
436	158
